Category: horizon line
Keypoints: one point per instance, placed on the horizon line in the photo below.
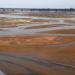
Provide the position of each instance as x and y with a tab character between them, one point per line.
32	8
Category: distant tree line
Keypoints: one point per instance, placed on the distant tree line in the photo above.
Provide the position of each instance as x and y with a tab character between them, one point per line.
71	9
39	9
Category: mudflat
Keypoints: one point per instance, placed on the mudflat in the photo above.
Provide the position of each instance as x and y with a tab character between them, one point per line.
32	49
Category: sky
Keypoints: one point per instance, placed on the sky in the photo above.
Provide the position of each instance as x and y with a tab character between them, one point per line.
37	3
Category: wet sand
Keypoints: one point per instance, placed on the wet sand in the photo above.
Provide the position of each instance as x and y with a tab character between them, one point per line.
64	31
28	51
37	55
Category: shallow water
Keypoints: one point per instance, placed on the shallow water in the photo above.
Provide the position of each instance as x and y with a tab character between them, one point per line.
22	30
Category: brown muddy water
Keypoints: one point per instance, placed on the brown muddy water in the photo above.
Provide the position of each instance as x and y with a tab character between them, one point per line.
36	48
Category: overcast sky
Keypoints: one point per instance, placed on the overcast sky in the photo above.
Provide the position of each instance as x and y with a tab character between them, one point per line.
37	3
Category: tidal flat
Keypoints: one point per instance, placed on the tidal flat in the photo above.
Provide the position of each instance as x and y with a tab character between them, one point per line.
33	45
